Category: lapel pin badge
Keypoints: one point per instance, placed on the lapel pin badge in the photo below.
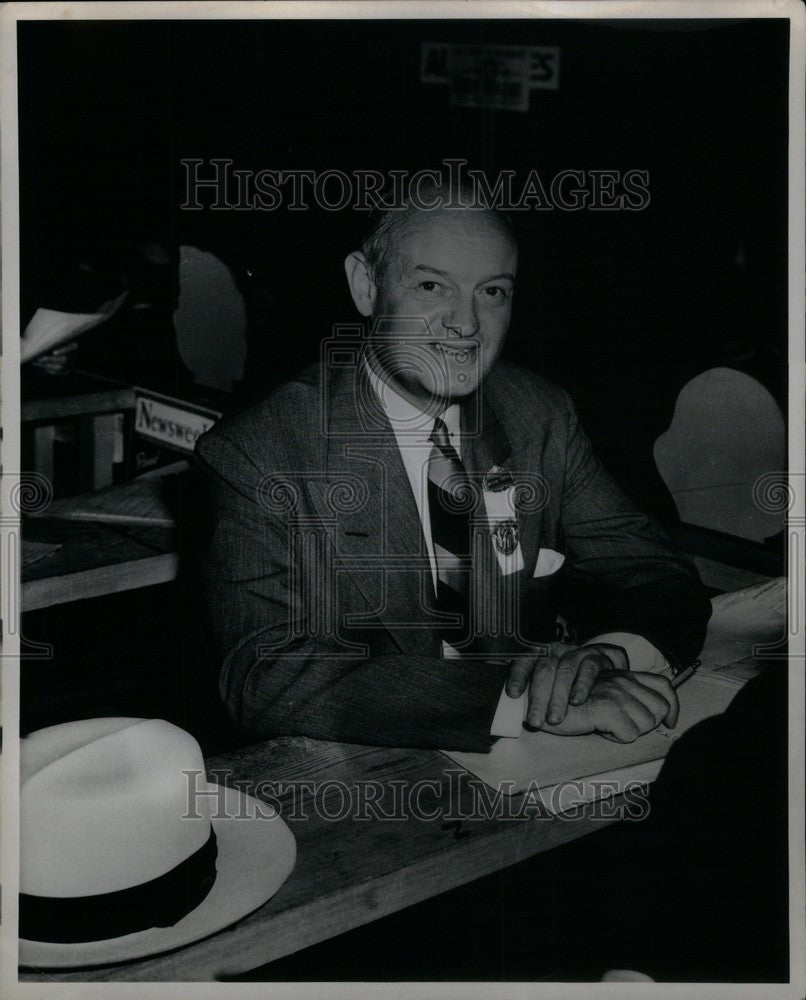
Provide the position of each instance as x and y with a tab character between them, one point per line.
497	479
505	535
499	485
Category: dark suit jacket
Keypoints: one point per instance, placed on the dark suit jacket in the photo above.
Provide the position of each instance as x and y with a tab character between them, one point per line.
318	584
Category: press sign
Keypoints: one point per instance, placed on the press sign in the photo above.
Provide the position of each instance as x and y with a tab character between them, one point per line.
490	76
169	422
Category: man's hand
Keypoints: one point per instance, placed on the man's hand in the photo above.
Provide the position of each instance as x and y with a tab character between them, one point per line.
56	362
622	706
48	328
563	677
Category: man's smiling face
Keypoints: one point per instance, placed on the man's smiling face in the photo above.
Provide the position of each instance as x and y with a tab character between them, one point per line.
442	306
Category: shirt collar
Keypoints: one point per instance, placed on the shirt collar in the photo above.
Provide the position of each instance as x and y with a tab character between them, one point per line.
404	416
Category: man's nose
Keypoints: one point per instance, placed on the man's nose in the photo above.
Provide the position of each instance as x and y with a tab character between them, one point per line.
463	319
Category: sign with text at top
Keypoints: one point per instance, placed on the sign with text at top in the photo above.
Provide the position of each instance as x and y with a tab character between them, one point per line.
172	423
490	76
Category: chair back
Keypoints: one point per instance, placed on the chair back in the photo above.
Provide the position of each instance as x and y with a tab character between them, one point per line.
210	320
727	432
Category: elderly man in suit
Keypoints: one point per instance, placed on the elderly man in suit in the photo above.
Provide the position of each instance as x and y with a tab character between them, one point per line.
395	530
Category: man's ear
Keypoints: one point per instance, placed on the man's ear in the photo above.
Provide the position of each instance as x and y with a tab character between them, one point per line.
362	288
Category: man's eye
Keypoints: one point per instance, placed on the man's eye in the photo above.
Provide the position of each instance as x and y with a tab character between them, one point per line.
496	293
429	286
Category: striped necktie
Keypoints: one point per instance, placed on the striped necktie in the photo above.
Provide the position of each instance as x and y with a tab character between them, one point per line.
450	511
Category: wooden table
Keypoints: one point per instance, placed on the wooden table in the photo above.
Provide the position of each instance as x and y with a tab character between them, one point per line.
353	865
75	396
350	871
94	560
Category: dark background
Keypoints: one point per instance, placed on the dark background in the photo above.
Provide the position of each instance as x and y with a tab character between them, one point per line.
620	307
616	305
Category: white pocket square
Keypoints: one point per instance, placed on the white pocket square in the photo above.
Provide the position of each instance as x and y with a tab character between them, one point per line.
548	562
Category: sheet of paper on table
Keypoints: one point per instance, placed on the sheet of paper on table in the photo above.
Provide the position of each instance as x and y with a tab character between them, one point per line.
543	759
740	621
744	619
566	796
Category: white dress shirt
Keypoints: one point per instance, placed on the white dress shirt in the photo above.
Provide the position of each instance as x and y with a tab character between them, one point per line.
412	429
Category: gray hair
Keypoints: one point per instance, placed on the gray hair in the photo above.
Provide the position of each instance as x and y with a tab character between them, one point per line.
379	240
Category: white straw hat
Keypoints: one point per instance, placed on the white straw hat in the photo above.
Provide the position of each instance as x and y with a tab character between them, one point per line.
127	851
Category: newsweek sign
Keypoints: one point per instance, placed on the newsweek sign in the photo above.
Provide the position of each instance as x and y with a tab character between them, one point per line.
171	422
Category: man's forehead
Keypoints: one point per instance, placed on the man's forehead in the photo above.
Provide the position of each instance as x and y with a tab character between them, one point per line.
461	237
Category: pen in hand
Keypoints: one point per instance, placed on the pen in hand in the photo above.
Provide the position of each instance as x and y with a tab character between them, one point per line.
685	674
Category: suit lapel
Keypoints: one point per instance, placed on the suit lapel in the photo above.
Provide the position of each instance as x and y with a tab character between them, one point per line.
367	506
484	442
365	502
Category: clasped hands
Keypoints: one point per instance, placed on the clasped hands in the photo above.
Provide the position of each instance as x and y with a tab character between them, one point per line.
585	689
